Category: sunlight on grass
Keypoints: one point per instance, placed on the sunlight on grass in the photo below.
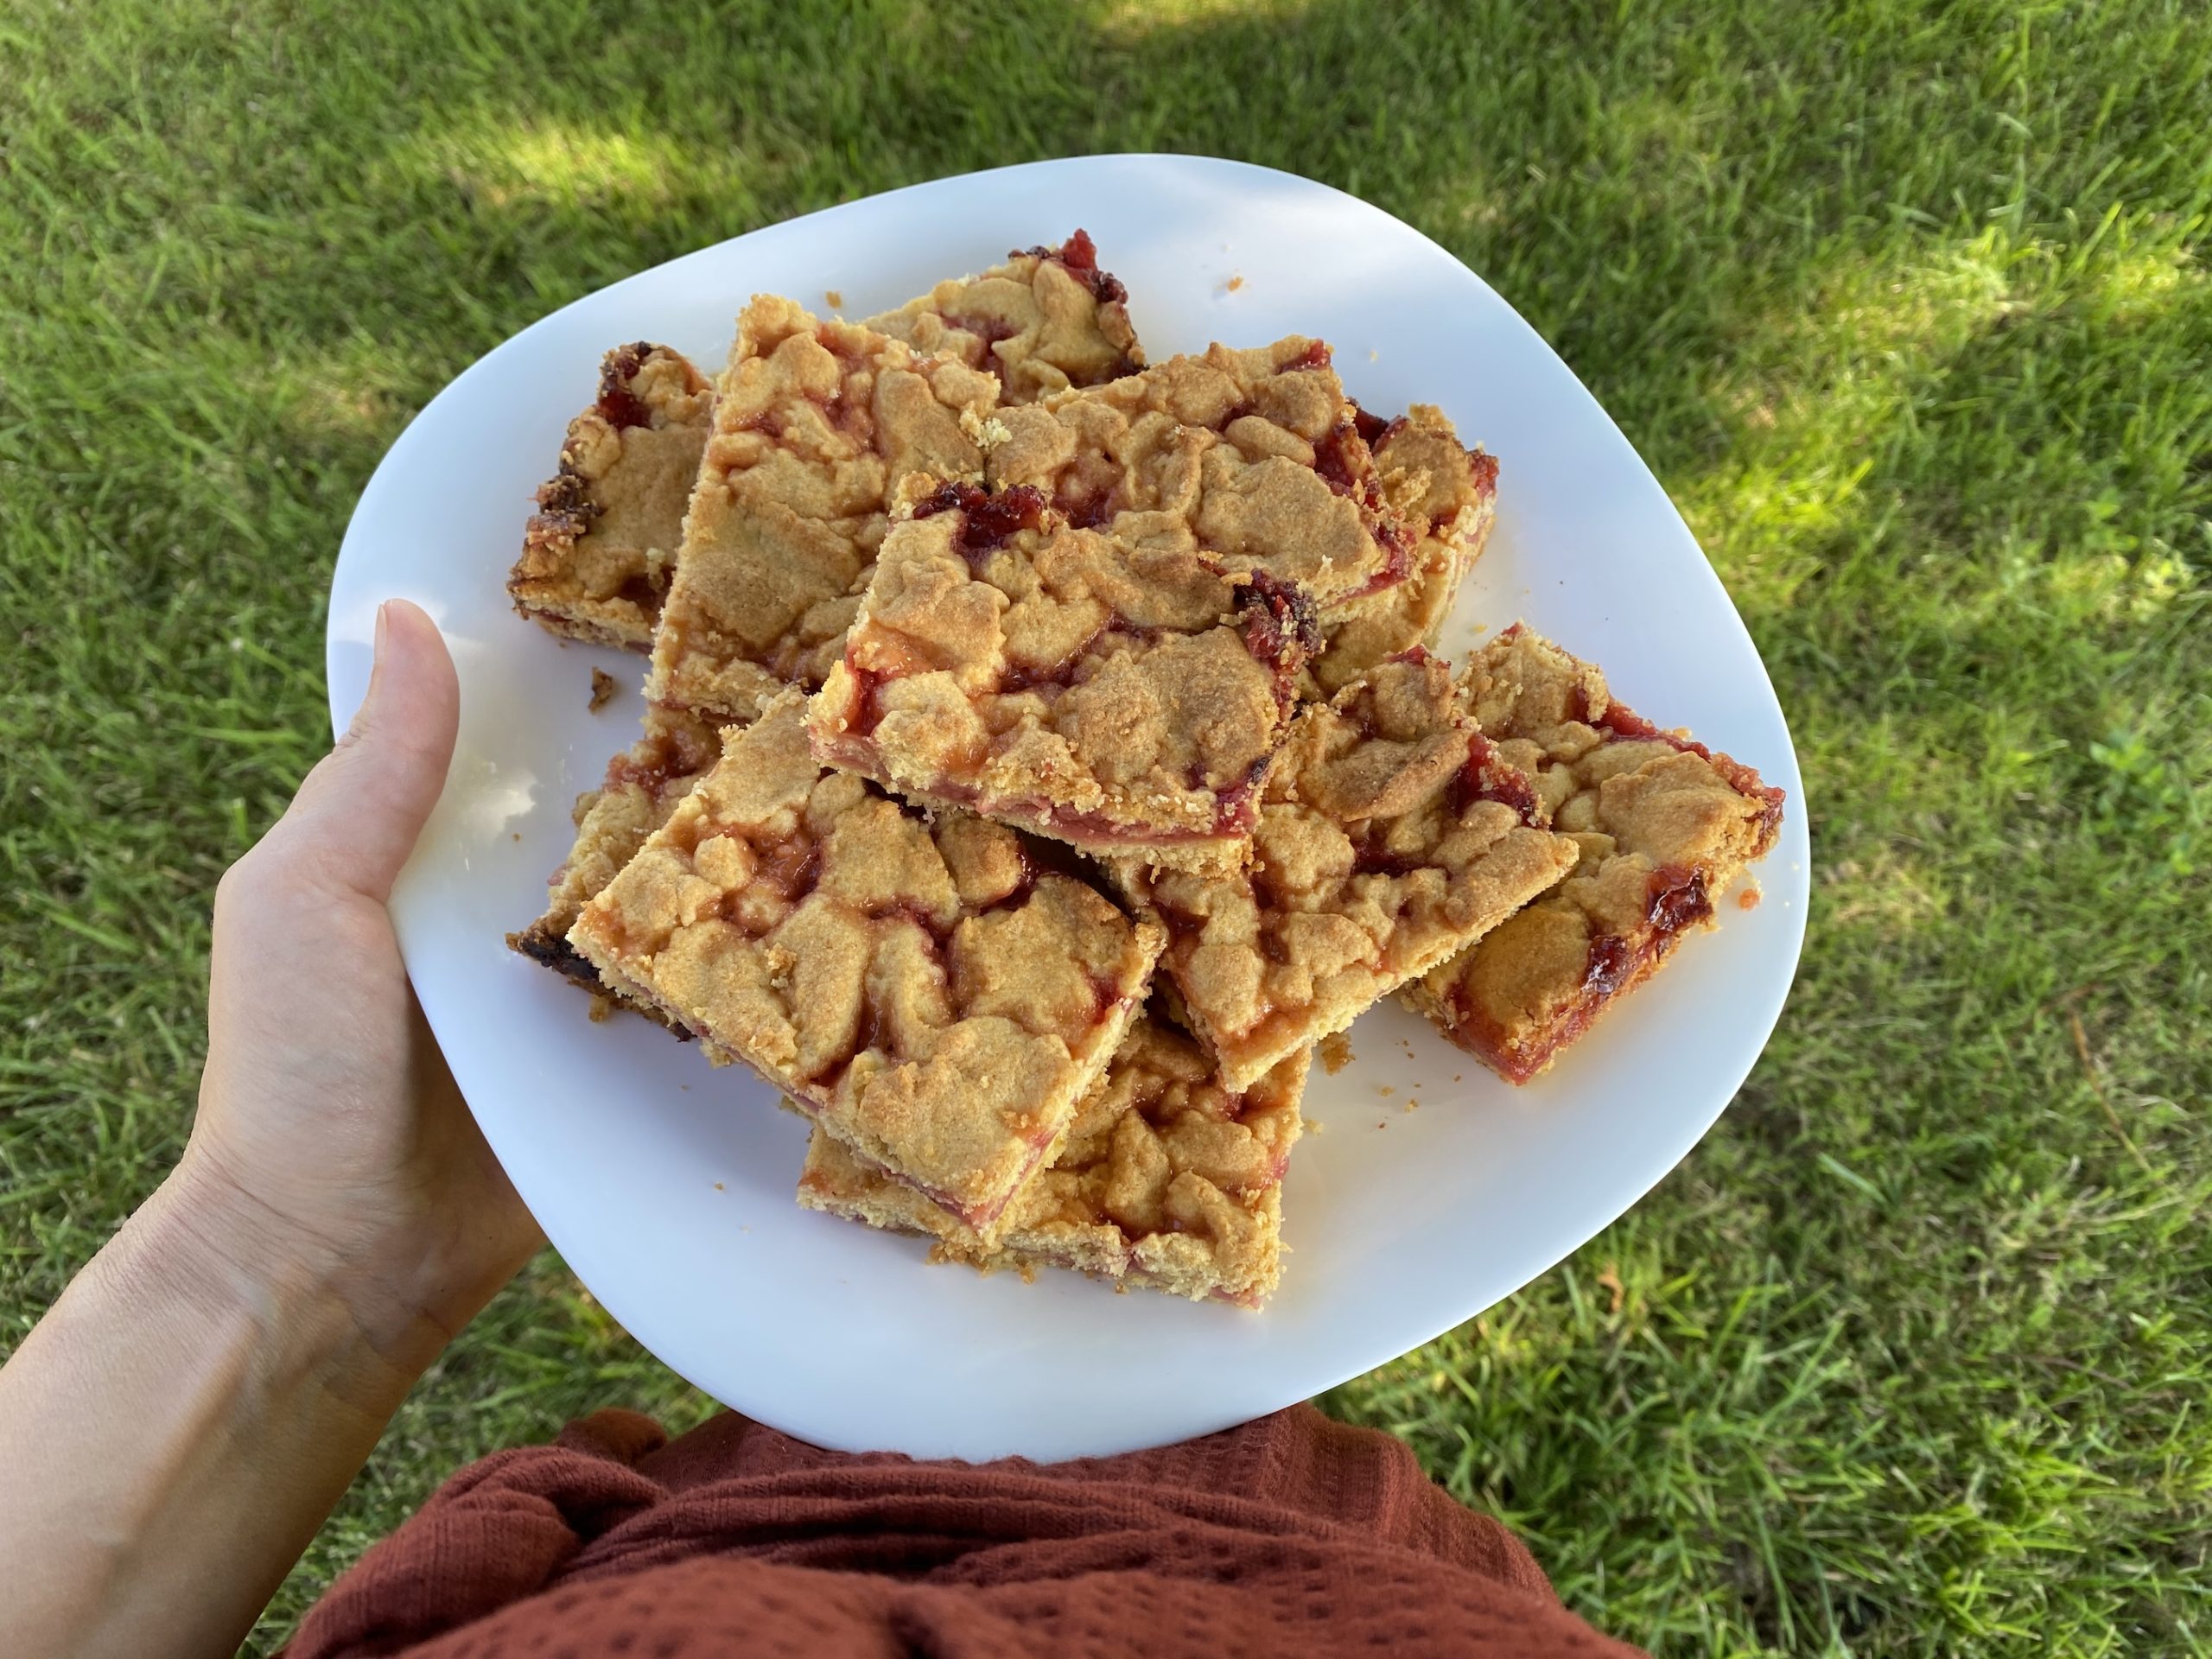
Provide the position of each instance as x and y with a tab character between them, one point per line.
1908	313
1818	376
2110	587
547	160
359	388
1888	891
1820	387
1130	22
1668	144
1829	387
2138	283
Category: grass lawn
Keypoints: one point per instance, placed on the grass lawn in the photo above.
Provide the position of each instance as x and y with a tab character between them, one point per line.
1907	309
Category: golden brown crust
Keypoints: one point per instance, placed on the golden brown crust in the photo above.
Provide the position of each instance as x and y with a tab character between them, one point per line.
641	788
1123	699
933	998
1253	457
1392	837
1166	1178
1663	824
816	422
1447	495
1046	320
596	556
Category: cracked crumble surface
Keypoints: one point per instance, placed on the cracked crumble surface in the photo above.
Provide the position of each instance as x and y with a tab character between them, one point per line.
597	556
1392	836
1119	697
1254	457
935	998
1166	1179
1046	320
1448	496
641	788
816	422
1663	824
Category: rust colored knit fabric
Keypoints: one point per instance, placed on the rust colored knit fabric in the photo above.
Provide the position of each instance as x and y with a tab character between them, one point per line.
1290	1536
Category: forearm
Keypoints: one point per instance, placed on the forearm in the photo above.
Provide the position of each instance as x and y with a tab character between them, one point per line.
176	1428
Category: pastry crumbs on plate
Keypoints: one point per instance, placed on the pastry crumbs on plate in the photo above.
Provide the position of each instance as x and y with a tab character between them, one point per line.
1236	282
836	300
603	689
1336	1052
1386	1090
719	1187
1749	897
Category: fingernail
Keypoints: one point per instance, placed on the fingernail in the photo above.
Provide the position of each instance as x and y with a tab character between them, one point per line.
384	612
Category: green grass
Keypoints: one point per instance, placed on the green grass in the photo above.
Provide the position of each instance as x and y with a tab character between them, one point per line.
1907	309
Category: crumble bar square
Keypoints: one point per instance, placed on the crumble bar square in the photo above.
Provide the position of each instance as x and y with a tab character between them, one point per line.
1166	1180
1392	837
597	556
1448	496
641	788
927	991
1046	320
1122	698
1253	457
814	422
1663	824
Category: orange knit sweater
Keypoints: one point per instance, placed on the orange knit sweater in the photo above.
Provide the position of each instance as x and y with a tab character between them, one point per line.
1290	1536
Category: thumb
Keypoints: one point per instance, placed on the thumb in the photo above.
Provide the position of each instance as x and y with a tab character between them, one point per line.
358	814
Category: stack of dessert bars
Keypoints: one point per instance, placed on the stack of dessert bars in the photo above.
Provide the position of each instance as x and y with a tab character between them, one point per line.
1044	751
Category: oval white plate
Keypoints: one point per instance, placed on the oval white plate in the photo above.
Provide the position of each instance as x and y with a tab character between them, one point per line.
667	1185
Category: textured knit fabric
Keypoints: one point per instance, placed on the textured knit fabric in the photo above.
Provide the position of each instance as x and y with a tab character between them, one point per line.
1290	1536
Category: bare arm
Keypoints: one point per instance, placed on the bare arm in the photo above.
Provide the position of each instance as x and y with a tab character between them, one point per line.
182	1419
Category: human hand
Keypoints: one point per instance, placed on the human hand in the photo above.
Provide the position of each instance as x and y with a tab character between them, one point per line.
331	1139
182	1419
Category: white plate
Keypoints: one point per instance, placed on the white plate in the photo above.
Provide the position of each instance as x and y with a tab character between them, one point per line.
667	1185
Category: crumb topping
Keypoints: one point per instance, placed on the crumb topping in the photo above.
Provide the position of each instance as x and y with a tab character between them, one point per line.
1166	1177
1392	834
1608	775
1101	692
641	788
1254	457
1447	496
597	556
1165	1147
1046	320
1661	823
816	422
934	995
